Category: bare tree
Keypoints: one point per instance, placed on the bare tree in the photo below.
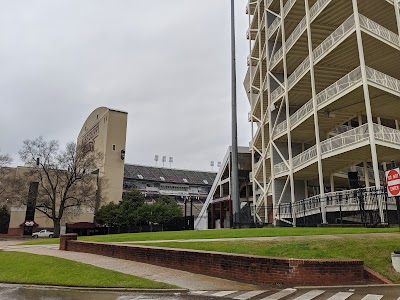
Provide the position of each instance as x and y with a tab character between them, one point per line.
5	160
66	177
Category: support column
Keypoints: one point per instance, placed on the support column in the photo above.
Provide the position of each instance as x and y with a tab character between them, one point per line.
212	216
289	134
365	164
264	111
271	148
222	214
316	120
367	99
332	181
397	11
384	163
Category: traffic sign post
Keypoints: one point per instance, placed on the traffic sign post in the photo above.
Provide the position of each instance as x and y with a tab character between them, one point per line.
393	182
393	188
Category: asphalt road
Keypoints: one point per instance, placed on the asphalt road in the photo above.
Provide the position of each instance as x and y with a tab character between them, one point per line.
9	292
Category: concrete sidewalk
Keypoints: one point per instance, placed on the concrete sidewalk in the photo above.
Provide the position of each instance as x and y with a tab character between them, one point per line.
179	278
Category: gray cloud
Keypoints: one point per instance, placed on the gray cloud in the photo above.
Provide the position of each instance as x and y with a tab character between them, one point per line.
165	62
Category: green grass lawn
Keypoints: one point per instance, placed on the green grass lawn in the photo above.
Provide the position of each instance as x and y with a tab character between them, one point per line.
375	252
212	234
27	268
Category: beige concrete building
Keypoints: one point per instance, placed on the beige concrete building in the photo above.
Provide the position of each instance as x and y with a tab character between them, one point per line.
105	129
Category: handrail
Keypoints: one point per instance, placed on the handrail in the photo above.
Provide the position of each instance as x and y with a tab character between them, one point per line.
383	79
337	142
340	141
277	93
339	86
300	69
386	134
361	172
379	30
298	31
317	7
332	39
288	6
280	168
339	198
281	127
272	28
321	49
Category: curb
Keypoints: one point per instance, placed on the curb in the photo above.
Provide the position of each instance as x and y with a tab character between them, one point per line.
347	286
89	289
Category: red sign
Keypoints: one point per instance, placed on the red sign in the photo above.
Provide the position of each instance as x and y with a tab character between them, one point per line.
393	182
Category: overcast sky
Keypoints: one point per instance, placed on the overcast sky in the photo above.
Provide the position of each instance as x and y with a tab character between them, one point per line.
165	62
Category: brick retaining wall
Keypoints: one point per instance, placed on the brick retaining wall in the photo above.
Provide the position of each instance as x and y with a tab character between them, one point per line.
247	268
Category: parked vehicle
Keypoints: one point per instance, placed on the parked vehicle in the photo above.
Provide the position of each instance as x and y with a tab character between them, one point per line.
43	233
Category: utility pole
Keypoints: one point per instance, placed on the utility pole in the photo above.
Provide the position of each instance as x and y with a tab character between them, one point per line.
234	160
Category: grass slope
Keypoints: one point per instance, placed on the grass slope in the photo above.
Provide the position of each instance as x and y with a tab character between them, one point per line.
213	234
27	268
375	252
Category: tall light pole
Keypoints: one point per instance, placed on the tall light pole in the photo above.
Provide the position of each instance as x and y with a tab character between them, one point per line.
235	171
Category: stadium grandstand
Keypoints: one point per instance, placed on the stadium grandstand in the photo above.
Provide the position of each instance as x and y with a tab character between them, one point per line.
189	188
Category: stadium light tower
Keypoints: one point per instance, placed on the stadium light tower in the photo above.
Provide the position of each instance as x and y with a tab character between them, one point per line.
235	172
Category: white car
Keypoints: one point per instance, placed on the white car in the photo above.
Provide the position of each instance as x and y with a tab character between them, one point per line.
43	233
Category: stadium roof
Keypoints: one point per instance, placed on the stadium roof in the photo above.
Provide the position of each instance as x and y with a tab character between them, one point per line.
147	173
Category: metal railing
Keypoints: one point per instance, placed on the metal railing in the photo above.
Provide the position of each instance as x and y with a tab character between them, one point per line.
280	168
341	129
386	134
358	206
337	142
346	139
288	6
305	156
317	8
306	110
277	93
383	79
334	38
379	30
330	92
346	82
339	86
299	72
272	28
298	31
361	172
341	141
281	127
